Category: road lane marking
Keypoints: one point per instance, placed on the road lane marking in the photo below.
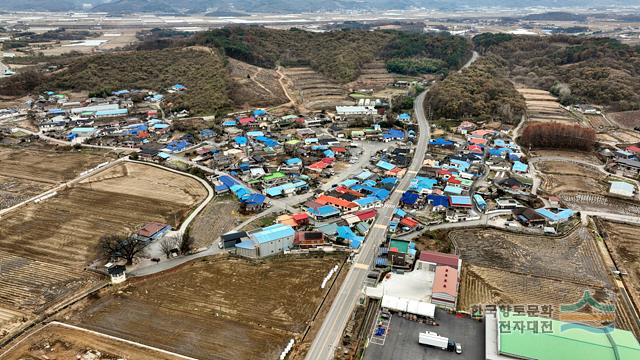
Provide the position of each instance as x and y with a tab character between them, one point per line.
361	266
379	226
412	172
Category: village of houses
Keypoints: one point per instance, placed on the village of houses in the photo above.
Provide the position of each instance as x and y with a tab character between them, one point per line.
315	183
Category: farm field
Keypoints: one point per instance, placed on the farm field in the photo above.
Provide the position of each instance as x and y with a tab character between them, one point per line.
31	170
46	246
572	258
506	268
564	176
65	229
58	342
218	217
314	91
544	107
233	308
595	202
568	154
373	75
623	243
626	119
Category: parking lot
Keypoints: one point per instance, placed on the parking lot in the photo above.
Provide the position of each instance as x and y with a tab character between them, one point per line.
401	339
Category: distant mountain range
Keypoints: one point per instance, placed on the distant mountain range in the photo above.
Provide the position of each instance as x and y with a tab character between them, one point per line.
283	6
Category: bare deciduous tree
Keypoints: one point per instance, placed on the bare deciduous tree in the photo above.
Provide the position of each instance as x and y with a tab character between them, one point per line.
119	246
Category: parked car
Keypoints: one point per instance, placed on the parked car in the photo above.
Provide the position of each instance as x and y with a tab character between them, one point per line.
458	348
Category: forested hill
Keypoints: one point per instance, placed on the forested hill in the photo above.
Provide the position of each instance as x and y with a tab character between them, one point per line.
339	54
595	70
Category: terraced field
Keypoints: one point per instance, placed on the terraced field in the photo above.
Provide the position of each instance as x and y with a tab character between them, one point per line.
595	202
373	75
565	176
314	91
544	107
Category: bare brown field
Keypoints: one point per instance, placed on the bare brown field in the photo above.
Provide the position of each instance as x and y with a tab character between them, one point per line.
217	308
625	136
57	342
46	246
65	229
31	170
314	91
506	268
564	176
599	122
571	258
255	86
626	119
623	243
574	155
217	218
596	202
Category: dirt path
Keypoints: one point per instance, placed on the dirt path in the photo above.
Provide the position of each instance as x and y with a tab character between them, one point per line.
291	102
253	78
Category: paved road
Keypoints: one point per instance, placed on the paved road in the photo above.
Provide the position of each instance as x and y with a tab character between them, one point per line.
44	137
330	333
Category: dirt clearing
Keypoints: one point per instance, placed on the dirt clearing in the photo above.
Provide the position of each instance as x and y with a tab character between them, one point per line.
217	307
623	243
218	217
564	176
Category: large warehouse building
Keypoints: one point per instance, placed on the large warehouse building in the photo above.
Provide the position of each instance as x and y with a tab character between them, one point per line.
268	241
529	337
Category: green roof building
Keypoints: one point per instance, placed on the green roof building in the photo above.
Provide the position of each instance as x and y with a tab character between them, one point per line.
559	341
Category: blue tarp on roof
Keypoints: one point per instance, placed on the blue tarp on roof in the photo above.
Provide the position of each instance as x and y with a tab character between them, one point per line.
163	155
329	154
409	198
259	112
438	200
404	117
230	123
385	165
441	142
179	87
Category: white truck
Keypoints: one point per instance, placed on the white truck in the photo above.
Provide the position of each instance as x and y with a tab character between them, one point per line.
432	339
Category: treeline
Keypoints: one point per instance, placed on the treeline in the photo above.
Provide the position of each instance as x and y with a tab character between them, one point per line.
480	92
339	54
600	71
558	136
203	72
415	66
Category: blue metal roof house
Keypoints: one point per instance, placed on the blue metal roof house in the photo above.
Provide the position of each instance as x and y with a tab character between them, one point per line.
385	165
555	215
519	167
268	241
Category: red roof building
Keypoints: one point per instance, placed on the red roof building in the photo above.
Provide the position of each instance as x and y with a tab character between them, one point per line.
408	222
634	149
438	258
365	215
337	202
